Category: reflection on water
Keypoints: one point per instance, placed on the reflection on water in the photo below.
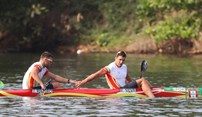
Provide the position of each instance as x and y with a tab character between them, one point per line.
81	106
162	71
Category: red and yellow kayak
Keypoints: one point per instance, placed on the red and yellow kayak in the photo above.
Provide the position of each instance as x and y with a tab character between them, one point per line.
179	92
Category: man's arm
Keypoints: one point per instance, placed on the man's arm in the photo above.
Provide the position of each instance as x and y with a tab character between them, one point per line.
128	78
34	74
59	78
91	77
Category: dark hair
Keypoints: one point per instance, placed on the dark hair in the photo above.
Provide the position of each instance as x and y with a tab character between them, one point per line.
46	54
121	53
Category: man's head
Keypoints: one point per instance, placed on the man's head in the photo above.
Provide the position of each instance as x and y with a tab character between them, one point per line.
120	58
46	59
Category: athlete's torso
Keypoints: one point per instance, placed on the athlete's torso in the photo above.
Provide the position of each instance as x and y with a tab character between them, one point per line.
118	73
28	80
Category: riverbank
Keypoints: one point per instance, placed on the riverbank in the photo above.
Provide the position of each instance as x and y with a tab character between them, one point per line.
141	46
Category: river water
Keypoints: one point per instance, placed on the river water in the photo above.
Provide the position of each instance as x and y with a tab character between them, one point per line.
162	71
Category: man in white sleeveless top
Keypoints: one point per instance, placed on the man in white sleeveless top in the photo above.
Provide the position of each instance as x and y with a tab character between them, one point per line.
33	76
117	76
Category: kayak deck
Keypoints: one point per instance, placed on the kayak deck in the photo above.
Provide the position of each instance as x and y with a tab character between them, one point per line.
180	92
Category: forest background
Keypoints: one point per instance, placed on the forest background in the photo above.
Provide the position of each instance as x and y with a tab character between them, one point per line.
138	26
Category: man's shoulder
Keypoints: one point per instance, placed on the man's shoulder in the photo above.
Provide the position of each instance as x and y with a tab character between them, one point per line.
124	65
35	63
112	64
39	66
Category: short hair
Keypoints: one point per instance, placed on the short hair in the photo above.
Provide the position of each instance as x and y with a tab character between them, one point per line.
46	54
121	53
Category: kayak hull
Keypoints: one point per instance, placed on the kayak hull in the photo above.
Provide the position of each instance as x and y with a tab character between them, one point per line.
179	92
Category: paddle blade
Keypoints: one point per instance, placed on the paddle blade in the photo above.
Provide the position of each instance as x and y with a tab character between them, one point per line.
1	85
144	66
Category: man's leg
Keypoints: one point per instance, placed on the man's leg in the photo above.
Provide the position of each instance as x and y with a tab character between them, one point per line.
48	86
56	85
145	85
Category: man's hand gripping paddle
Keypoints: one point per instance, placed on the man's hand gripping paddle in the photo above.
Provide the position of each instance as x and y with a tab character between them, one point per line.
144	66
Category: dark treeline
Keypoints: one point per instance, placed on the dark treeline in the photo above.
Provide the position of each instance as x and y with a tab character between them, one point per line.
35	25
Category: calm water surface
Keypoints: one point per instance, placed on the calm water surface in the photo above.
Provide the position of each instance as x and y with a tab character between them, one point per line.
162	71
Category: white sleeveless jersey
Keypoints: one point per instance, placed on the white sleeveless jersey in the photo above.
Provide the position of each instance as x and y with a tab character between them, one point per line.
118	73
28	80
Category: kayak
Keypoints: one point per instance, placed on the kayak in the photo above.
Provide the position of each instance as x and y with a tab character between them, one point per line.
178	92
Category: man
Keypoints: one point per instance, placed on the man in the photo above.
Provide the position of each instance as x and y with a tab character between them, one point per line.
117	76
33	76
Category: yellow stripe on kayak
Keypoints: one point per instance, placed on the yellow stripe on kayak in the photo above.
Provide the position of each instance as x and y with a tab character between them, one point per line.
90	95
6	94
127	95
72	94
182	96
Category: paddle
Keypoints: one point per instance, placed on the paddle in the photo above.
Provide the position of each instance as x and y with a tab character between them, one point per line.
1	85
144	66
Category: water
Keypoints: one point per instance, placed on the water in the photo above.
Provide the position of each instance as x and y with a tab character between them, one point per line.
162	71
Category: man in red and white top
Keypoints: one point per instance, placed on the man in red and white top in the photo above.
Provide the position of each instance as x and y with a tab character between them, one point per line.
117	76
33	76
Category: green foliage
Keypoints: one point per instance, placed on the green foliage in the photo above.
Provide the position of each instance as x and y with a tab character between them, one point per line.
168	19
178	26
103	39
114	19
119	13
37	9
36	24
156	8
103	22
